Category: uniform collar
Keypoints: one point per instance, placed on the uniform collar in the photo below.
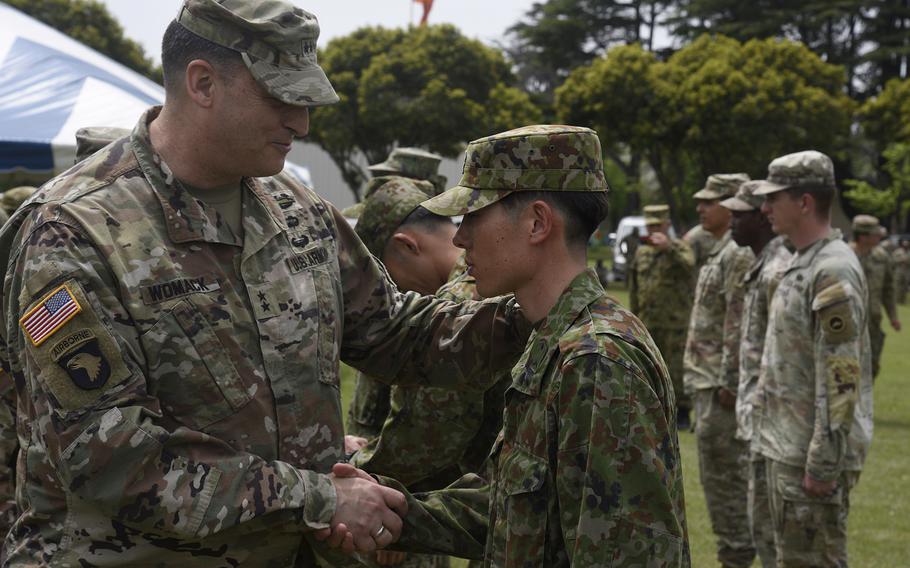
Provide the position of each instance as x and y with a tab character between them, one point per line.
805	257
185	219
721	243
532	366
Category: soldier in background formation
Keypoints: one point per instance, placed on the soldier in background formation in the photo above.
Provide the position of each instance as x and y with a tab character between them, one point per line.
750	228
424	437
880	279
411	163
712	374
901	260
702	242
813	406
660	293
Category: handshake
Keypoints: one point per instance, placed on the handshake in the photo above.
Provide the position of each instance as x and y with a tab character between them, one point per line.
368	516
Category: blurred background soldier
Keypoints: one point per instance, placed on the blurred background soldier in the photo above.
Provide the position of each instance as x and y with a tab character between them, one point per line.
11	199
711	365
660	294
412	163
702	242
880	279
424	437
750	228
901	260
813	425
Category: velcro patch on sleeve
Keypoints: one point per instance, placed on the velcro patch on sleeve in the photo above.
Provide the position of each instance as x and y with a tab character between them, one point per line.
79	360
49	315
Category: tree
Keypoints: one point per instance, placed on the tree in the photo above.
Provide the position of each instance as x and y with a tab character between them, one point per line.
556	36
89	22
717	105
429	86
894	197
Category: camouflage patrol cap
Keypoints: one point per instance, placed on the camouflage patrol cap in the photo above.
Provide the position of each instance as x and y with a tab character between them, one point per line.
656	214
354	211
409	162
866	225
721	186
745	198
802	169
13	198
93	138
387	207
532	158
276	40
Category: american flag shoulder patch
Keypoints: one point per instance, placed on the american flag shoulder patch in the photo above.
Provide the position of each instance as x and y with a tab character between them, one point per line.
51	313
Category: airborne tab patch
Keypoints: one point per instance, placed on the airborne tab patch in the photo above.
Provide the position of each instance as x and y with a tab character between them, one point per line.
49	315
179	287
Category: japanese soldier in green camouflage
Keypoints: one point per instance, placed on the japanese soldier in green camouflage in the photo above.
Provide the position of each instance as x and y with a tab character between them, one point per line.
750	228
813	406
880	278
711	365
660	294
586	469
174	317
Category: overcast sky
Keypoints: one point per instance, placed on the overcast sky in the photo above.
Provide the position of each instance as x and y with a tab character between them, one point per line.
485	20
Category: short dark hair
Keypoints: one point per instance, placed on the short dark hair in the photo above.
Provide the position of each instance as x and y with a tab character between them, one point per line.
180	46
424	219
583	210
824	197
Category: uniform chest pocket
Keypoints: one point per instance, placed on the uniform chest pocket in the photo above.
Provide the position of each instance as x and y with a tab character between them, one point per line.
523	477
190	370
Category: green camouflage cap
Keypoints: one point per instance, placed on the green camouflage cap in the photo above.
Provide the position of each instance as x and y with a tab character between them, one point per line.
386	208
410	162
802	169
276	40
354	211
745	198
721	186
93	138
866	225
13	198
656	214
532	158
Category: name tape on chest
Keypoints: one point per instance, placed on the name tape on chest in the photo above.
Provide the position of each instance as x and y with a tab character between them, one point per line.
163	291
307	259
51	313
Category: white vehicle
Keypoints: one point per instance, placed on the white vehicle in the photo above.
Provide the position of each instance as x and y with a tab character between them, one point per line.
628	235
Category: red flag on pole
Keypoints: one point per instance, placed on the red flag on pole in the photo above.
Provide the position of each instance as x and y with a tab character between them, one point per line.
427	6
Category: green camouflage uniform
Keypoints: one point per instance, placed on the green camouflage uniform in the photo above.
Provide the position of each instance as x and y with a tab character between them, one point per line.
428	437
179	385
411	163
901	260
711	363
813	406
660	294
587	469
880	279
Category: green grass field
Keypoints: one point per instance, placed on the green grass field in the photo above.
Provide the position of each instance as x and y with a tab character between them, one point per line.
880	506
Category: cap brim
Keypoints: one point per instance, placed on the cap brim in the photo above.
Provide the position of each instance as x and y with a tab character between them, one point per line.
461	200
737	204
300	86
765	187
708	195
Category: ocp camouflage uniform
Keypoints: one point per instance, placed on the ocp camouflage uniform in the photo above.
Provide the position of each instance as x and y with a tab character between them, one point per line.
660	294
879	272
901	260
9	450
587	468
711	363
702	243
760	284
186	412
813	406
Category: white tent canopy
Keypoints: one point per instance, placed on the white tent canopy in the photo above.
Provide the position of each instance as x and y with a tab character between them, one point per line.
51	85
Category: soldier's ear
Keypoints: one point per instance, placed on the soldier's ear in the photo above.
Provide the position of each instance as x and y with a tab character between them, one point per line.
405	243
200	82
542	220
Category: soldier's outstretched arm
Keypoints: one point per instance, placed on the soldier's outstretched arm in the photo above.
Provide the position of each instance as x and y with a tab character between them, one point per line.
405	338
107	442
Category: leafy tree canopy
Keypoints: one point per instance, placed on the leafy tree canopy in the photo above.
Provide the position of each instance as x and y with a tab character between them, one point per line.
429	86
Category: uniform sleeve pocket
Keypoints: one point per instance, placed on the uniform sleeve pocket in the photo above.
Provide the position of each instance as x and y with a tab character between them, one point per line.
834	313
524	485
